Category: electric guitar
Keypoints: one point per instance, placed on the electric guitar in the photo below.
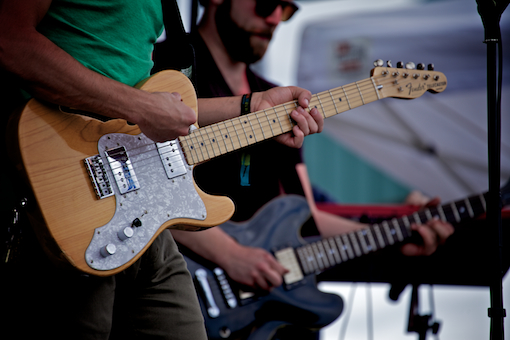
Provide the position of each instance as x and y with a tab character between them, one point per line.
232	310
105	191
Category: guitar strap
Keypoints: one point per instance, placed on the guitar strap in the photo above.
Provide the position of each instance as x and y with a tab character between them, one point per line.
176	52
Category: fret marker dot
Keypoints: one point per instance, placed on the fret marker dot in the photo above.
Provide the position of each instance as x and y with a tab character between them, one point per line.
462	210
213	140
250	136
339	99
274	121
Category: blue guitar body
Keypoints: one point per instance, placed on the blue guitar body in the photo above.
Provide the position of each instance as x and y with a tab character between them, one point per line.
275	226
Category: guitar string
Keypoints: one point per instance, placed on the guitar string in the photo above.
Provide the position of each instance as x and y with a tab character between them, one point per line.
208	143
262	129
350	90
353	94
216	147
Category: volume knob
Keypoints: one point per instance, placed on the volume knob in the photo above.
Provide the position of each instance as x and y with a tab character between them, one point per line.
108	250
125	233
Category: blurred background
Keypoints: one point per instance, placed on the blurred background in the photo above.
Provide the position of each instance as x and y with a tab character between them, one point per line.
378	153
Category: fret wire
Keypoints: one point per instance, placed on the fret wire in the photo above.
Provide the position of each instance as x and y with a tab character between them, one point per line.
185	143
344	103
334	248
322	246
347	98
406	230
461	209
322	107
329	252
243	121
318	257
406	221
341	248
417	218
379	235
311	258
360	94
355	244
484	204
288	115
302	258
207	147
199	132
441	213
279	121
371	240
237	134
185	148
215	142
397	229
362	241
455	212
260	124
269	122
388	230
361	86
306	260
252	130
225	136
375	87
354	100
477	204
428	214
347	246
469	208
333	100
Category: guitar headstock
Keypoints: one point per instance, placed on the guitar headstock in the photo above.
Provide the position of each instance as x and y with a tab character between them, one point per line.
407	82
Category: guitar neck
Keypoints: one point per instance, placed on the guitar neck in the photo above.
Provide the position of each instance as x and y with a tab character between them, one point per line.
233	134
318	256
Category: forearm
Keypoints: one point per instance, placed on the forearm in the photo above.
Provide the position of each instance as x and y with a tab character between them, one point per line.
212	244
213	110
51	74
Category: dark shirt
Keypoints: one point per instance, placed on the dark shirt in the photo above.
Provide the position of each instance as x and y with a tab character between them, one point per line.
272	165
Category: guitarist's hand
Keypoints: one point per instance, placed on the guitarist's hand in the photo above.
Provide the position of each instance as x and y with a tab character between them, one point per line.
255	267
433	234
307	122
166	117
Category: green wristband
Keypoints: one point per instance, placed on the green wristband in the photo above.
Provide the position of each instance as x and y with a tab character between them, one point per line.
246	104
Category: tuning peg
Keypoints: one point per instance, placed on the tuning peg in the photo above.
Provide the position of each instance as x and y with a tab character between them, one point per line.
388	63
378	62
400	64
410	65
430	67
420	66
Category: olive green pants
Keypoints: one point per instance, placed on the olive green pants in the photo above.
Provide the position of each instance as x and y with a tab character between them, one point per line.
152	299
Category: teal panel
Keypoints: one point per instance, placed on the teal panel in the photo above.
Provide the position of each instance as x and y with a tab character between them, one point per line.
347	178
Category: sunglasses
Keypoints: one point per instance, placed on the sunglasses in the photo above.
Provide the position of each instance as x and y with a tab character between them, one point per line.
265	8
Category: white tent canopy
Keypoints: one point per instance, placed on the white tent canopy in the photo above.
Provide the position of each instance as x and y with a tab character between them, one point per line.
436	143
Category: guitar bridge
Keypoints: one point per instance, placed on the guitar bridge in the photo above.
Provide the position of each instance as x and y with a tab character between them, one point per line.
98	176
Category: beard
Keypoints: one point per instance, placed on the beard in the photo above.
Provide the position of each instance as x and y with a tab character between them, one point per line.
237	40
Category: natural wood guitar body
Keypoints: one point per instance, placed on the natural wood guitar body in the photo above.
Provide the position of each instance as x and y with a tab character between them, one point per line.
52	147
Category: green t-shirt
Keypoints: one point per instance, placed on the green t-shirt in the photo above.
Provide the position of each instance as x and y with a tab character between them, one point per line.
112	37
